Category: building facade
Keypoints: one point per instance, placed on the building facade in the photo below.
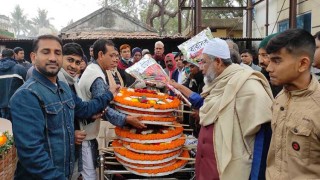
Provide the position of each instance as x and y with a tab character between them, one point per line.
278	19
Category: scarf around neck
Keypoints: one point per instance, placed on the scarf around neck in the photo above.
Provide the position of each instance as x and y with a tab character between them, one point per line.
111	79
219	107
72	81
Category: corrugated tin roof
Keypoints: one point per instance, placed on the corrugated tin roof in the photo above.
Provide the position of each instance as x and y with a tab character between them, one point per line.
121	35
116	35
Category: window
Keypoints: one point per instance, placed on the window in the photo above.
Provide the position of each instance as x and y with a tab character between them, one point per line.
303	22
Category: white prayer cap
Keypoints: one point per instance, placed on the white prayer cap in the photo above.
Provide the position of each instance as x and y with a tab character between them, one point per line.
217	48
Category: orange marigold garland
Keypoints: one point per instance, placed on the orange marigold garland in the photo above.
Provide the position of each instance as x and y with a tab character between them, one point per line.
146	99
133	157
163	135
164	170
156	148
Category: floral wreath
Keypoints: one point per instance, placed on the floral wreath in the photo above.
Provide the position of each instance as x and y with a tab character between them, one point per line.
131	134
143	98
156	146
138	156
147	172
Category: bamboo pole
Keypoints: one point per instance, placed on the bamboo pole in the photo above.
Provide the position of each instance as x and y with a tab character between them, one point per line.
183	111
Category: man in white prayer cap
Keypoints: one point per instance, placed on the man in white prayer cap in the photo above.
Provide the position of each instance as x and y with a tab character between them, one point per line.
237	103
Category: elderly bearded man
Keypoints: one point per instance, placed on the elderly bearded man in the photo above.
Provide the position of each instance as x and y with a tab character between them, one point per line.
237	102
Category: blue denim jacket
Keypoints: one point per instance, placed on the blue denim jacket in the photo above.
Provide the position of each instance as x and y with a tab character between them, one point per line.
43	129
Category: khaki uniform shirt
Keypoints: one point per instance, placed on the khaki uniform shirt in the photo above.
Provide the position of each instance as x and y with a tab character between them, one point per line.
295	145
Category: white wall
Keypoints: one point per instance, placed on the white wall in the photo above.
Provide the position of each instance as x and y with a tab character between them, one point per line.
258	25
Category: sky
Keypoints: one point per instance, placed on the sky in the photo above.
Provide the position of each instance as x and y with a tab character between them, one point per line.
62	11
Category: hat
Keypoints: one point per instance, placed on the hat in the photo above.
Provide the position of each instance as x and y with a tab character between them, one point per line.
217	48
135	50
145	51
263	44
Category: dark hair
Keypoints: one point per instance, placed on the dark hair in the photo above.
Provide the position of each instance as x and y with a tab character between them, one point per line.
235	56
295	41
247	51
7	53
42	37
17	49
91	46
72	49
317	35
178	55
100	45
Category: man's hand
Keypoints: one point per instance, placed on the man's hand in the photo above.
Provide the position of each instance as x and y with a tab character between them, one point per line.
134	121
114	89
79	136
195	116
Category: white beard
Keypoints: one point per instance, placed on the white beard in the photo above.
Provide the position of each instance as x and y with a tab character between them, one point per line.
210	75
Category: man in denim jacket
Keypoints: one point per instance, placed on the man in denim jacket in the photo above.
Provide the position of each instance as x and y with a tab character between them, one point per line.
42	112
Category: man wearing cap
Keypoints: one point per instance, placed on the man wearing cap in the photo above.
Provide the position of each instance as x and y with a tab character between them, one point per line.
237	101
264	61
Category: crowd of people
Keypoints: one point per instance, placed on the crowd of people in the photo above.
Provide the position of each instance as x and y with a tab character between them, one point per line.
251	121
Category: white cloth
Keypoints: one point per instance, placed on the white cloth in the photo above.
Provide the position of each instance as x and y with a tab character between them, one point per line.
181	75
92	72
88	172
217	48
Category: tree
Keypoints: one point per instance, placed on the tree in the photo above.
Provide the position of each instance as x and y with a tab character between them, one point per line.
19	22
161	15
127	6
42	21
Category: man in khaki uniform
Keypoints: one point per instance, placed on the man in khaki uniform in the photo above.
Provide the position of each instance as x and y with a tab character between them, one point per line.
295	147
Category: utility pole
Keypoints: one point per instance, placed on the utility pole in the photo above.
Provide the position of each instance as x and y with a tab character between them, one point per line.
293	14
198	17
249	19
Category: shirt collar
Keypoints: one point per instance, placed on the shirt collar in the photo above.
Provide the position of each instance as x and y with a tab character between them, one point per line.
45	81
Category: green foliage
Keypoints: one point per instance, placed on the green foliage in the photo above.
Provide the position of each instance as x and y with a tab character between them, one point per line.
4	148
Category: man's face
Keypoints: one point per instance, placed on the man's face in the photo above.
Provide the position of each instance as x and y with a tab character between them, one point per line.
158	50
246	58
117	59
91	52
208	68
316	61
168	61
71	64
108	60
193	69
126	53
19	55
179	62
48	58
264	59
283	68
